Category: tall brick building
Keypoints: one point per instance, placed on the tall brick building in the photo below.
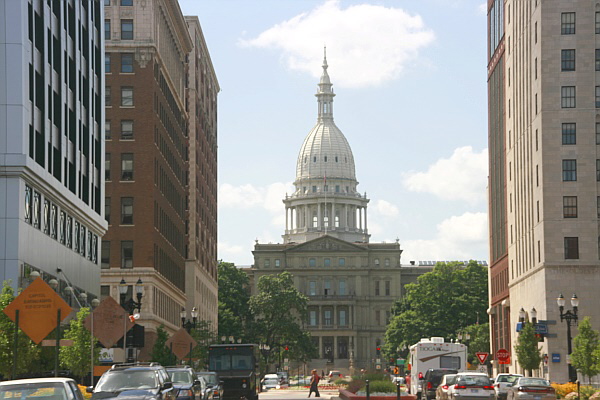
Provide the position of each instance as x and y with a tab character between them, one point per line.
152	181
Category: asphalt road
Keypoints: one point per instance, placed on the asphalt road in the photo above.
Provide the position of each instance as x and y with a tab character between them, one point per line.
293	394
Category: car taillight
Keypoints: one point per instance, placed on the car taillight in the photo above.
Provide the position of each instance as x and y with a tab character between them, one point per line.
420	375
429	385
488	387
457	386
445	387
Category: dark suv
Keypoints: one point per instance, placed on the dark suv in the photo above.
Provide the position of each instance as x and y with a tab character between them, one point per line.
143	381
186	383
432	379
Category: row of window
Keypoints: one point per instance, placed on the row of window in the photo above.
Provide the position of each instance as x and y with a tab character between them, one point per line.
568	23
569	170
316	189
126	210
121	2
568	97
126	29
126	254
327	317
126	96
570	207
126	65
342	289
126	131
59	225
126	167
325	158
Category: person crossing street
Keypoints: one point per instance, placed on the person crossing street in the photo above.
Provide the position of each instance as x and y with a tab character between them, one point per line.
314	383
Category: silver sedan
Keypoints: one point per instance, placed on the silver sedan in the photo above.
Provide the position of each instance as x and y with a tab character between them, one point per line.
531	389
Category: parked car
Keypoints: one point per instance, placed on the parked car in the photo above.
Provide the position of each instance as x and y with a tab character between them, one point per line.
502	382
213	382
270	383
531	389
432	379
334	375
143	381
187	385
441	393
472	386
40	389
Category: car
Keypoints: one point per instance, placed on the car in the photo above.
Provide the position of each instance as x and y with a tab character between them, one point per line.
304	380
502	382
472	386
531	389
41	389
187	385
334	375
270	383
432	379
143	381
399	379
441	393
213	382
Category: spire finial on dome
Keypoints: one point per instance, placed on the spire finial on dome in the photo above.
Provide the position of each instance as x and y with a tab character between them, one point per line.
325	57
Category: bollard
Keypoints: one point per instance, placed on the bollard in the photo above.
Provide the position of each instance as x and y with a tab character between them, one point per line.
578	390
368	394
397	390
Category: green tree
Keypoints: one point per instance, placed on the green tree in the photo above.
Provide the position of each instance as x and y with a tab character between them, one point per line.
441	303
160	352
27	351
479	342
279	310
204	335
77	357
586	351
235	317
527	350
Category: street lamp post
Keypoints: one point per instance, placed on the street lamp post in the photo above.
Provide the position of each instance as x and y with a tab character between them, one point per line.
570	316
189	324
130	305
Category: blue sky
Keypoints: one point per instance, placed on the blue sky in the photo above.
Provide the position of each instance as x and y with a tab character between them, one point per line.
410	79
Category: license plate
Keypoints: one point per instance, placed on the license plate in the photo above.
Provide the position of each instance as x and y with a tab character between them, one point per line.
477	391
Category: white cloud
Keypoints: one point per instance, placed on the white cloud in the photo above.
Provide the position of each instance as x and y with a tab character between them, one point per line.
386	208
462	237
249	196
373	43
461	177
227	251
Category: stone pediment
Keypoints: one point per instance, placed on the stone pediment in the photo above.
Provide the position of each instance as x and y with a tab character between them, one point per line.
326	243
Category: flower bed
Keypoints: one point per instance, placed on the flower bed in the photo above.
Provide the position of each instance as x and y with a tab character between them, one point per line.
346	395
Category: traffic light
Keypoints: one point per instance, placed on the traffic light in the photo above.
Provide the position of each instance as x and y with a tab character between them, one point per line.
378	350
286	348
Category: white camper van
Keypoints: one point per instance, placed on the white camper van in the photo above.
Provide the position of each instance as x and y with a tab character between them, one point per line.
434	353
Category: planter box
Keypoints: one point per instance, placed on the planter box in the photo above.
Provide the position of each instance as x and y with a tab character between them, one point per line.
346	395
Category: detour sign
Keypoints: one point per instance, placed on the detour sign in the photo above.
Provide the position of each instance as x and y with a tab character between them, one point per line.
38	306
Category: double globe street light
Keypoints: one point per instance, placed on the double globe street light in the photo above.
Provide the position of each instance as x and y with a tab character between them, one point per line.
189	324
570	316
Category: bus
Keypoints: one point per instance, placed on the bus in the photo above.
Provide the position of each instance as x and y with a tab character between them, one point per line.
237	367
434	353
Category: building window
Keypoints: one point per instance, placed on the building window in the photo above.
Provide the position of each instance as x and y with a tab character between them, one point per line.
107	63
312	288
315	221
342	318
126	96
597	132
267	263
127	167
126	29
376	288
313	318
387	288
126	2
107	167
62	224
107	209
126	210
107	97
567	60
69	232
569	131
597	23
570	206
37	209
312	262
126	129
376	262
105	256
571	248
597	58
597	96
387	262
327	287
76	237
598	206
377	318
127	254
569	168
341	262
597	170
107	2
327	318
327	262
342	288
127	62
567	23
567	96
277	262
107	132
28	192
107	29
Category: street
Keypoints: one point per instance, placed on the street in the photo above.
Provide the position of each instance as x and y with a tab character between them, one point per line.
292	394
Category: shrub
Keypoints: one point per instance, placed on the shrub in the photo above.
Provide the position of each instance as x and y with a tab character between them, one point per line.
595	396
340	381
355	385
562	390
382	387
568	391
374	377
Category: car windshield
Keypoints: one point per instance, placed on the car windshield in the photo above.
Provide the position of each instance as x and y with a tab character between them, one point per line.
179	377
533	382
271	382
211	379
450	379
126	380
34	391
473	380
507	378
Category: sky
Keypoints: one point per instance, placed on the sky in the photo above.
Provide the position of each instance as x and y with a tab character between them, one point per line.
410	78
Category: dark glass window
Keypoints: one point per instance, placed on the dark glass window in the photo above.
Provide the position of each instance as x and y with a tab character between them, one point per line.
107	29
570	206
597	96
126	29
107	62
127	167
567	60
127	62
569	170
107	100
597	22
571	248
126	96
126	129
567	23
597	59
126	210
569	133
126	2
127	254
107	209
567	96
107	167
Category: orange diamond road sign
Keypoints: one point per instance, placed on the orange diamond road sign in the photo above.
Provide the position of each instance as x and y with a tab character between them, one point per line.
38	306
482	356
180	342
111	322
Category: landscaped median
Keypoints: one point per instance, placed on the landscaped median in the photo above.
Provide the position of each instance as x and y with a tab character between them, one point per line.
380	388
348	395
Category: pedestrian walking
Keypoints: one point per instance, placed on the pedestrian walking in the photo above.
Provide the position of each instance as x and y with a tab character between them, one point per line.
314	383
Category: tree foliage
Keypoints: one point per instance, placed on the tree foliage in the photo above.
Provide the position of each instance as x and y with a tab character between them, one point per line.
479	342
77	357
279	309
161	353
27	351
235	317
441	303
528	353
204	335
586	351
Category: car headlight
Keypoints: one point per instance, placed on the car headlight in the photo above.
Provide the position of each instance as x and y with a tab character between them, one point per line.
244	385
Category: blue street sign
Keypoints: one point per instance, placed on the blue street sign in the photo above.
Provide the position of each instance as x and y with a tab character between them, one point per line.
541	328
555	357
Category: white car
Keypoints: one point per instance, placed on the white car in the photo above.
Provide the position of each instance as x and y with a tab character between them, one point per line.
502	382
41	389
472	386
270	384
